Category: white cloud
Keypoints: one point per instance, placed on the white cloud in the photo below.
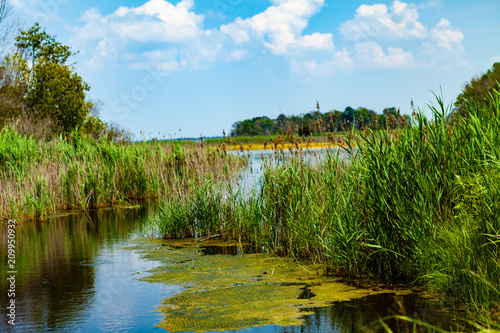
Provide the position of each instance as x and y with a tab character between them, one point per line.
371	54
156	20
280	28
172	37
377	34
365	55
169	36
399	21
447	37
17	4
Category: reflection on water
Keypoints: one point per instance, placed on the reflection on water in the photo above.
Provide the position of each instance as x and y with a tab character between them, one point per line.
72	275
228	250
362	315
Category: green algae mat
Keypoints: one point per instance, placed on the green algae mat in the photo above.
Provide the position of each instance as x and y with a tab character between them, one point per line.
228	292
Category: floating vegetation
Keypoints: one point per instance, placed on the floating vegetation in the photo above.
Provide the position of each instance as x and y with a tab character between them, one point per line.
228	292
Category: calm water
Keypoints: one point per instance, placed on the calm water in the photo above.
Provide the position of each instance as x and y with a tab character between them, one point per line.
74	275
251	176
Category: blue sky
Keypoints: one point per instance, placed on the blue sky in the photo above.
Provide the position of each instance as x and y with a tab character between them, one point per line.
189	68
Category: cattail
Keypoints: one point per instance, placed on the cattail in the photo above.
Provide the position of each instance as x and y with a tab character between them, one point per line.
414	115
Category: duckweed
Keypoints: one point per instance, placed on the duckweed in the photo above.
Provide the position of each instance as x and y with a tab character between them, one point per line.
229	292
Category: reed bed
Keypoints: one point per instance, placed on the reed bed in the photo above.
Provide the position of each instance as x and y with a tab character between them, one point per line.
418	203
289	136
39	178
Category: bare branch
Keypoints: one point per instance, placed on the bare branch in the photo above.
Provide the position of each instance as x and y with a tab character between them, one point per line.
6	26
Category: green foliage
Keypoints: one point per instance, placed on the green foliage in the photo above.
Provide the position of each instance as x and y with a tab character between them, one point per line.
94	127
41	89
53	89
478	89
37	44
58	93
43	95
315	122
255	126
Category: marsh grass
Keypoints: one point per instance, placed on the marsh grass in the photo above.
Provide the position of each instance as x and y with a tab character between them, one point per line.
417	203
269	139
41	177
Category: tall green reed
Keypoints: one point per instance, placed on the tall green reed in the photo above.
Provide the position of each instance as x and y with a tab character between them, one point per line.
419	203
76	172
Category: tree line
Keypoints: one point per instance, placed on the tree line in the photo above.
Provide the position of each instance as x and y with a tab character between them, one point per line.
316	122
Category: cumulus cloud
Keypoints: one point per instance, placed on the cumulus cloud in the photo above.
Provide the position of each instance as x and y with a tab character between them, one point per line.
156	20
161	34
447	37
159	26
401	20
364	56
280	27
157	33
381	36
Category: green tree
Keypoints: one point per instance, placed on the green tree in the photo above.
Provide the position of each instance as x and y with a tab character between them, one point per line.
364	116
58	93
349	114
53	89
479	88
37	44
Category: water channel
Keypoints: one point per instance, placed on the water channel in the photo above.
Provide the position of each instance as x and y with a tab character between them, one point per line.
82	273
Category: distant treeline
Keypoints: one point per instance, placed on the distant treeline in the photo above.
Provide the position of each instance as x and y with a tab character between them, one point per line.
317	122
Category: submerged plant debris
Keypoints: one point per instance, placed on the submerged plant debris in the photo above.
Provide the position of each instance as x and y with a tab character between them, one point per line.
228	292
